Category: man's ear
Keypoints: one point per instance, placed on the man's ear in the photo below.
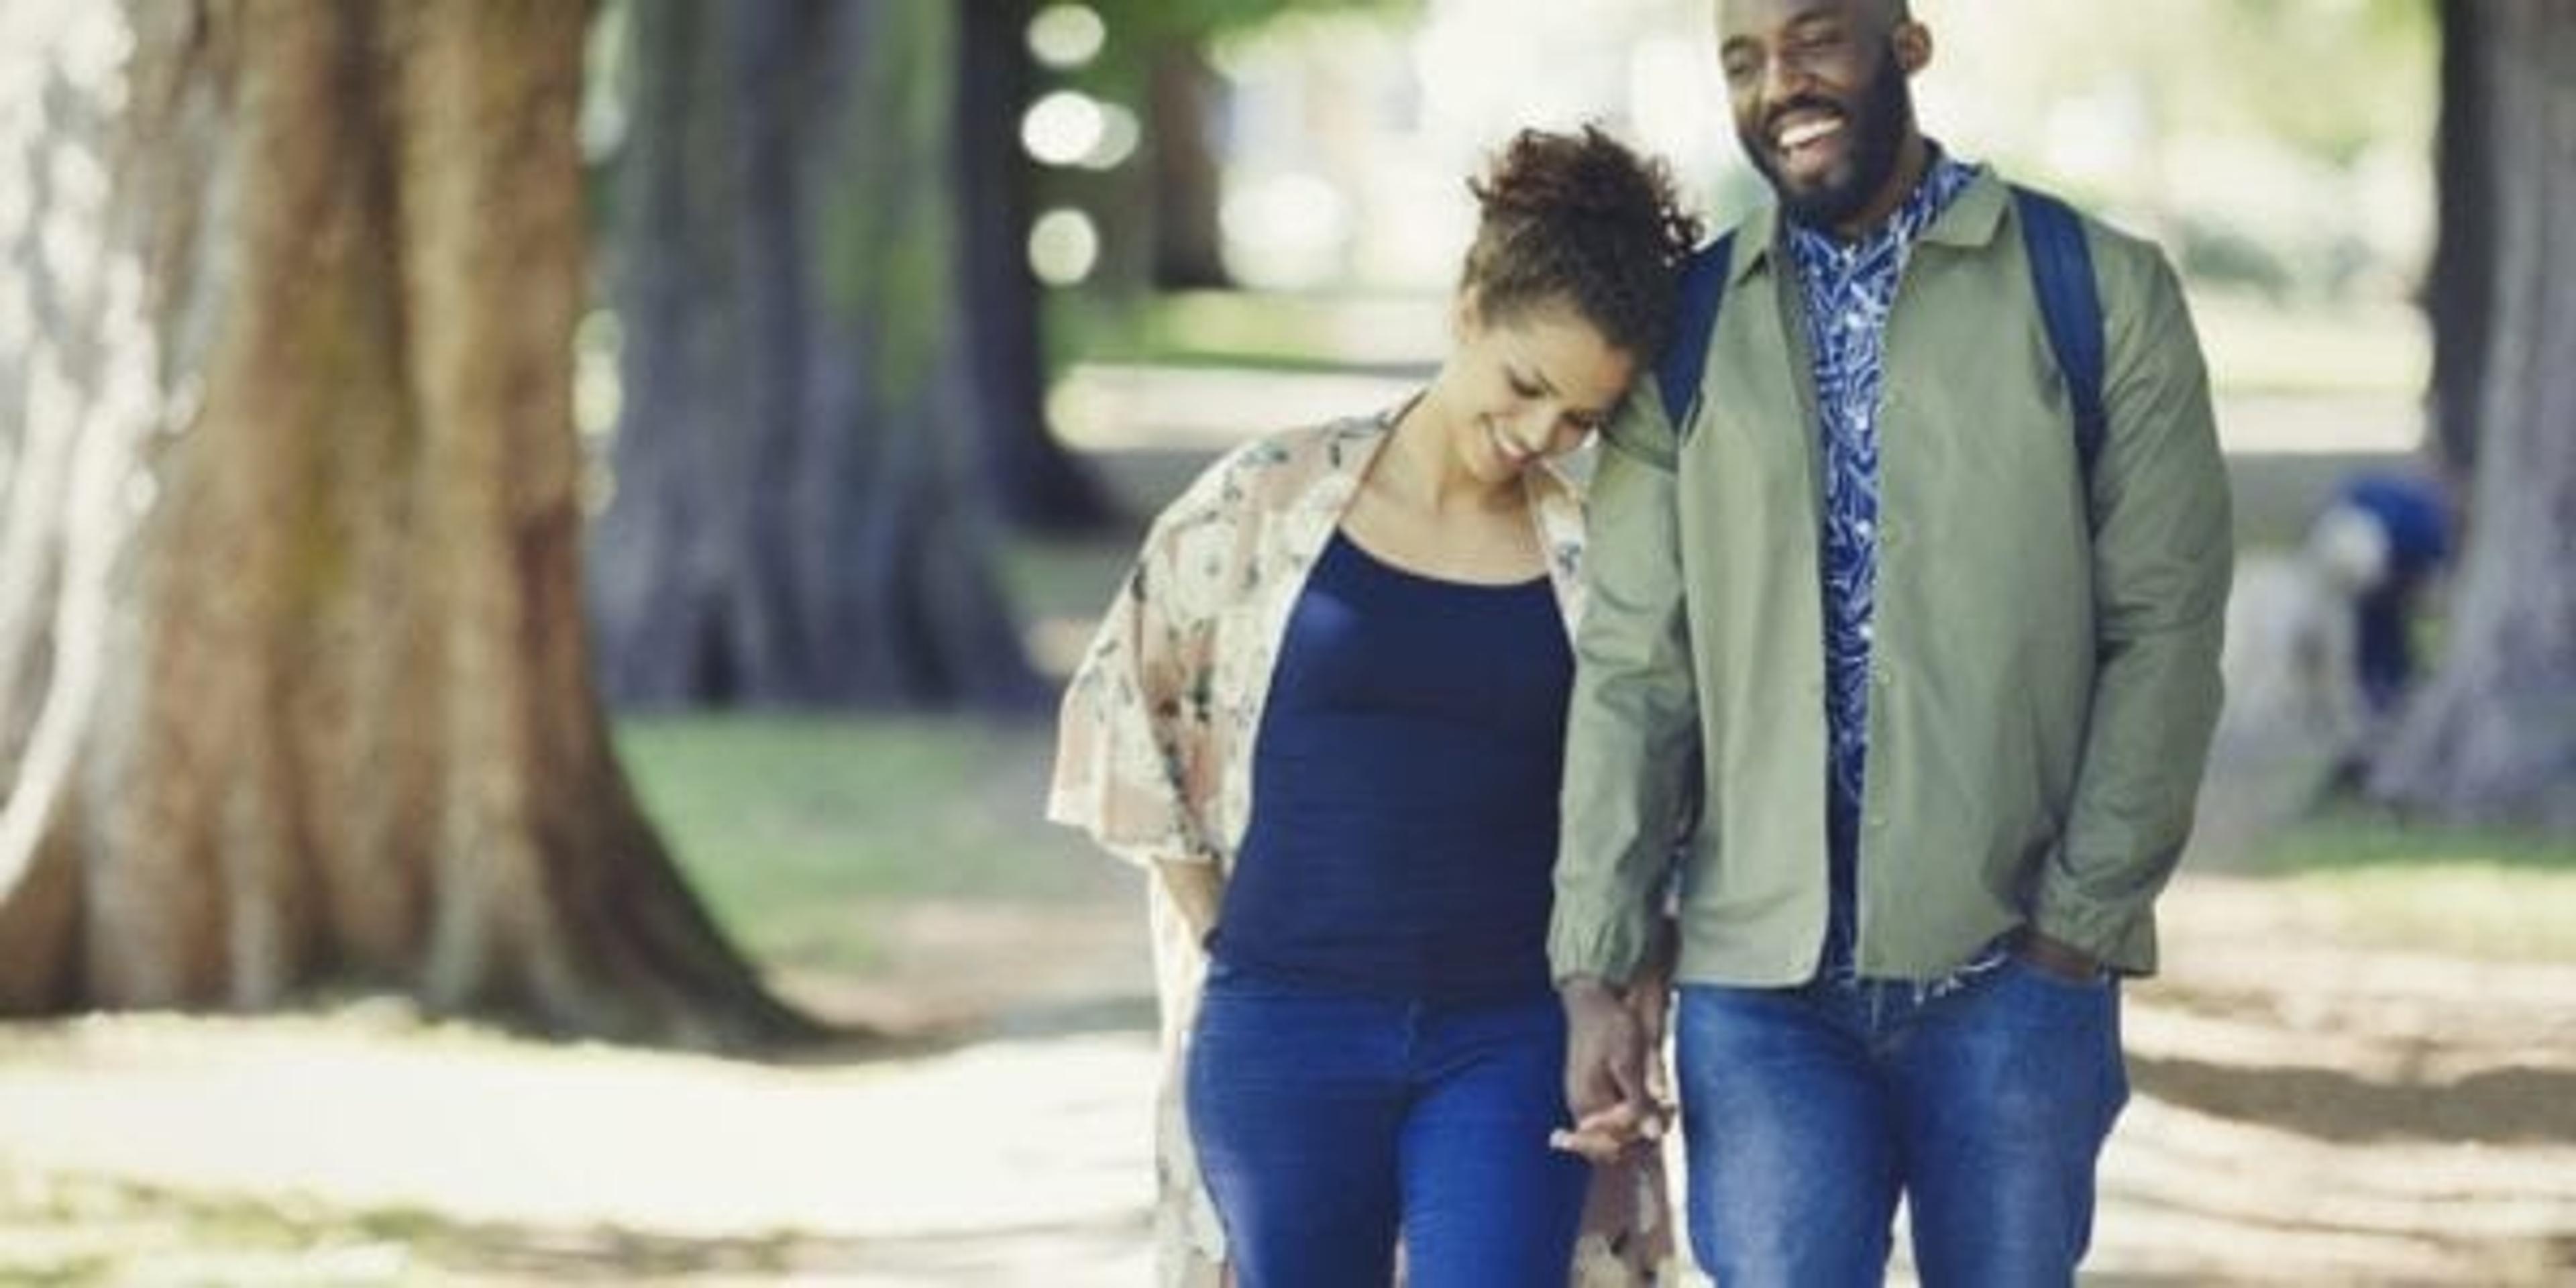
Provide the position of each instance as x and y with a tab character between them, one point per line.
1913	46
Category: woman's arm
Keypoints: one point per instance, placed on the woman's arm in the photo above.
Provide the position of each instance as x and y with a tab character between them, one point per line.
1134	766
1197	891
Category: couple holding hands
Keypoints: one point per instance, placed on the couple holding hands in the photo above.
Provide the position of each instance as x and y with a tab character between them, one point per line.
1842	728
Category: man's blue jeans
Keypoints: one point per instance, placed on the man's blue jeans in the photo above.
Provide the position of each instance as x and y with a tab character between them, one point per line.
1327	1121
1806	1111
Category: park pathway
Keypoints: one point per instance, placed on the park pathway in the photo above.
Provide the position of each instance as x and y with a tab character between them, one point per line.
2305	1115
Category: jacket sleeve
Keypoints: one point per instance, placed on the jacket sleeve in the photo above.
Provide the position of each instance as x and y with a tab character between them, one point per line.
1134	766
1632	731
2163	550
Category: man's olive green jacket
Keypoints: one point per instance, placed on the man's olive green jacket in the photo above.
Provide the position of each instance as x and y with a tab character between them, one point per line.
2044	661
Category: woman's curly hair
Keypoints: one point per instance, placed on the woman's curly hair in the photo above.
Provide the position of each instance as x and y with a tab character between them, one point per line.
1580	219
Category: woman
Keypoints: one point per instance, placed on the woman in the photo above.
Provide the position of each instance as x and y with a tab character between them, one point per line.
1327	711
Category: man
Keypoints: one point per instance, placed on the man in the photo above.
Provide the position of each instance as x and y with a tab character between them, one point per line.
2320	639
1930	689
2404	519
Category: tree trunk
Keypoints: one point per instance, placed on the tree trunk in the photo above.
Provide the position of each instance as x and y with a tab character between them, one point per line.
2459	290
1038	485
54	136
791	521
1189	241
2493	736
319	709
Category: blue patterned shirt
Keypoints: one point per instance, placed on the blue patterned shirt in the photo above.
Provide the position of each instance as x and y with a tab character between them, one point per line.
1849	289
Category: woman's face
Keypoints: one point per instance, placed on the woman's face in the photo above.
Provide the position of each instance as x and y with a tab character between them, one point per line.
1527	386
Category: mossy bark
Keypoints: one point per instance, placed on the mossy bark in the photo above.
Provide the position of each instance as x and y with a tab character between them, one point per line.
322	713
2493	736
795	517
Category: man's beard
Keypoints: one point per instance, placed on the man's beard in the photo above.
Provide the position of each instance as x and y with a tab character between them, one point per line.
1877	127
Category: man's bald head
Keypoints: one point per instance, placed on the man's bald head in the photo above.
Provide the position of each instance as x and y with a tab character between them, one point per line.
1890	12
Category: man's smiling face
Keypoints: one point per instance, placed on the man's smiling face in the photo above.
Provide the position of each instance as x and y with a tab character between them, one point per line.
1820	98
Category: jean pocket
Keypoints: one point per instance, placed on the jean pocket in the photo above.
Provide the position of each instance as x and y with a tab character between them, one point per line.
2100	983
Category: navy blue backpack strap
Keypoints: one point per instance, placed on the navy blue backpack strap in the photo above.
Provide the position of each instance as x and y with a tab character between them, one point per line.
1703	288
2061	270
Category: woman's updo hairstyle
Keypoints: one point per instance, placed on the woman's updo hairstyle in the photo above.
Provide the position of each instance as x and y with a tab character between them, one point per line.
1580	219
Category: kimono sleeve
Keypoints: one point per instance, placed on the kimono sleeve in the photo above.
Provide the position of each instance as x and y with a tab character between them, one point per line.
1135	768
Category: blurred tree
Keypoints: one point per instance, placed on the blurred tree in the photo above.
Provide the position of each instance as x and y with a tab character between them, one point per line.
1182	94
317	707
794	517
1039	486
2493	735
1158	57
2459	289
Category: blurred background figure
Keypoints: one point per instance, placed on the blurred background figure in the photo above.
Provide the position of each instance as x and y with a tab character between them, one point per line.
593	578
2322	637
2391	532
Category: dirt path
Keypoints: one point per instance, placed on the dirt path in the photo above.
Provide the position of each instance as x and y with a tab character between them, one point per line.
2305	1114
2312	1113
2308	1113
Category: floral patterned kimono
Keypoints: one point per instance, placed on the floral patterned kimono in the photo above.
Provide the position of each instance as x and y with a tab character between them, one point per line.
1155	755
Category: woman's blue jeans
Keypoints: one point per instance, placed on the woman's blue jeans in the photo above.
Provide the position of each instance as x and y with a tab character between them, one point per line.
1328	1123
1807	1111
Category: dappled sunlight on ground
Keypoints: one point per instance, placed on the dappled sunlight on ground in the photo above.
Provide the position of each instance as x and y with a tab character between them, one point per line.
2305	1113
982	1148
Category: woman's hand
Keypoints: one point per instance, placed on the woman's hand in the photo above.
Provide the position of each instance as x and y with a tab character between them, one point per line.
1616	1085
1605	1075
1650	997
1197	891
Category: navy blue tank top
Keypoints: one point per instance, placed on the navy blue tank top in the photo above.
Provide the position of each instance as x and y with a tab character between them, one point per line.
1404	787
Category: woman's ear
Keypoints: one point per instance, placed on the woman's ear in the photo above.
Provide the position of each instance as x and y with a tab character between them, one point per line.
1466	315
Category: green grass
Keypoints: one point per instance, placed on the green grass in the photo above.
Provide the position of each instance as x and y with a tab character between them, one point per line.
2255	346
1067	579
2477	892
803	832
793	828
1267	330
2347	837
800	831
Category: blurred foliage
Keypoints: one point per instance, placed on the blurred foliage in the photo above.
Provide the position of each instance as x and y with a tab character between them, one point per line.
2347	44
2314	75
2280	147
1138	29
